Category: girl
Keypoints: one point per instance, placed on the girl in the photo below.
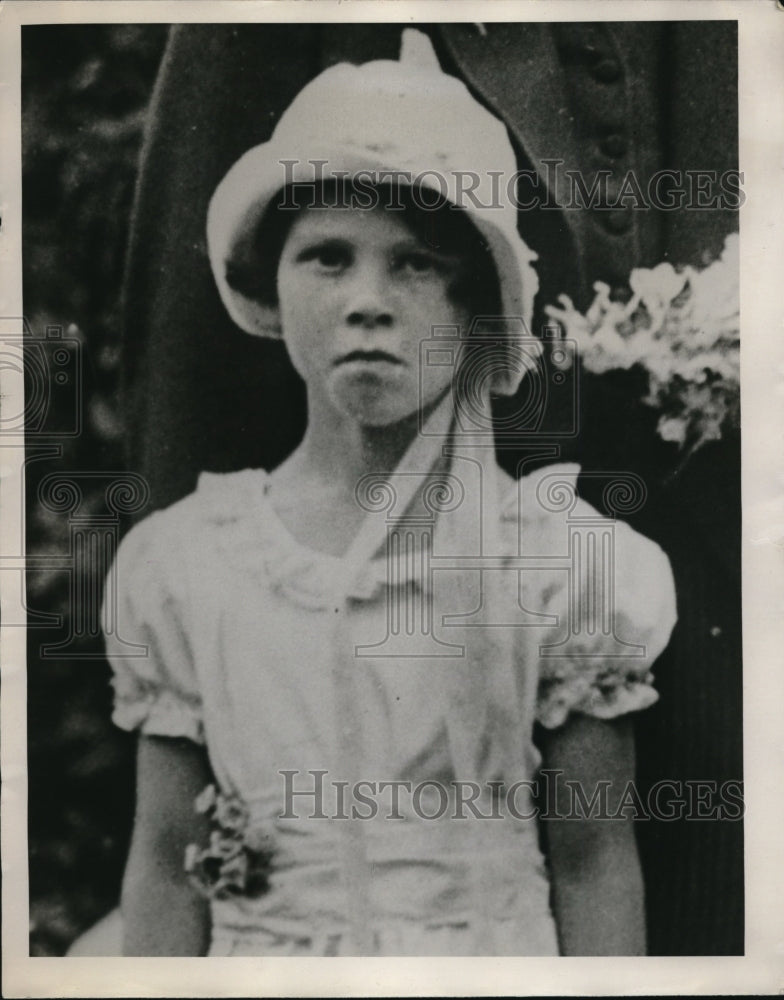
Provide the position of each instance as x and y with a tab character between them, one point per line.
345	658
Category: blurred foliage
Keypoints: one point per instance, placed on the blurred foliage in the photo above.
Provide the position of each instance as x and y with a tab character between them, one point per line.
85	90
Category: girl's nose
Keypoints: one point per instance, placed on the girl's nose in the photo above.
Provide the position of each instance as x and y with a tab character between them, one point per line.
368	301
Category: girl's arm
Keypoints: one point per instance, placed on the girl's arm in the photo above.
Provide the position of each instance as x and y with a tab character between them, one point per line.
162	913
597	881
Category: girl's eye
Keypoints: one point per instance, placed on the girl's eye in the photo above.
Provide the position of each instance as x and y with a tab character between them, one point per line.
417	262
327	256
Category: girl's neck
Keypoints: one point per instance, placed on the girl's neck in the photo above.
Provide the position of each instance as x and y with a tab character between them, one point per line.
343	455
338	451
314	491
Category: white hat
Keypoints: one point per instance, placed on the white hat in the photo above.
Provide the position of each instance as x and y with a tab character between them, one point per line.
408	117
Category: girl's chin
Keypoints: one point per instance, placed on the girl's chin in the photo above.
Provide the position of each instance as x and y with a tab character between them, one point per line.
372	408
378	399
377	415
379	403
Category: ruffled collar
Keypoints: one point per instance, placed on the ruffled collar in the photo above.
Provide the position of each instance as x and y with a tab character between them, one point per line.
261	542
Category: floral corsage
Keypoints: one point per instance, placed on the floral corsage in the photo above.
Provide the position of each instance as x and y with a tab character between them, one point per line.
236	860
682	326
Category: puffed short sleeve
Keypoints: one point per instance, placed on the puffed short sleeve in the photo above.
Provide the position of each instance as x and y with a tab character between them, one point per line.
613	597
146	635
595	677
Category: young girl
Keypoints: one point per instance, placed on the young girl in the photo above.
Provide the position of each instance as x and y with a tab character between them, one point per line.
344	659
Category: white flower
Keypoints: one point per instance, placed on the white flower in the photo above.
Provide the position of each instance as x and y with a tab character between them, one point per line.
205	800
672	429
657	288
683	327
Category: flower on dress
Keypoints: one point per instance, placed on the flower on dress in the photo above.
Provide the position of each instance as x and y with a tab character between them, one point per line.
230	813
683	327
205	801
238	853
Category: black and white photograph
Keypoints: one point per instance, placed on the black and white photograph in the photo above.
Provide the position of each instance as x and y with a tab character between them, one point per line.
379	583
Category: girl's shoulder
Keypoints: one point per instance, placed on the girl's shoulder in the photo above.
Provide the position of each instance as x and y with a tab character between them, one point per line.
545	506
219	498
572	544
226	535
609	588
545	497
197	523
229	497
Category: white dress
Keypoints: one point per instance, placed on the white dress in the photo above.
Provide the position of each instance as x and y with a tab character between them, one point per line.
234	620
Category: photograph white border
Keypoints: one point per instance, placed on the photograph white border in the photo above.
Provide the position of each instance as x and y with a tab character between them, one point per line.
761	970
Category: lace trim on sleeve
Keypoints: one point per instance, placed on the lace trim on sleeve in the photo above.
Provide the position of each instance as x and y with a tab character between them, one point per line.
156	711
605	691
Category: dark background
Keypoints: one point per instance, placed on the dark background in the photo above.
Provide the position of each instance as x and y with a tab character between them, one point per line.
84	95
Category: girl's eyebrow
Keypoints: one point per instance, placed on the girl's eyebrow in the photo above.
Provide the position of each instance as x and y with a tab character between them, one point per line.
320	238
444	263
313	244
414	245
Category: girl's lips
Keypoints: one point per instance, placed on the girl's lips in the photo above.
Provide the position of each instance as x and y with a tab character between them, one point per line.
369	357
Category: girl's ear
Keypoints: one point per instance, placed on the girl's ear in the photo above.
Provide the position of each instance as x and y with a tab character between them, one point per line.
263	320
253	306
256	318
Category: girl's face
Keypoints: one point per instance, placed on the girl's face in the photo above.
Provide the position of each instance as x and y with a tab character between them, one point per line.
358	292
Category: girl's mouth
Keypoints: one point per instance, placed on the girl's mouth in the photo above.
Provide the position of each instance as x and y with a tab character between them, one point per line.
369	357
